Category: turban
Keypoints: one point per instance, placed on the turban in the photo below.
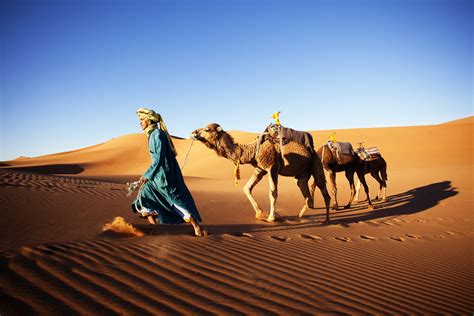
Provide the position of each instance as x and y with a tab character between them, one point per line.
149	114
155	119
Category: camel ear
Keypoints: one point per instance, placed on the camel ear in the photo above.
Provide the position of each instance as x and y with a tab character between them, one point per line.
219	129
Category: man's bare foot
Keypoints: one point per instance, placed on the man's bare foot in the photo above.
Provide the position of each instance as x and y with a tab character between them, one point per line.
198	231
152	220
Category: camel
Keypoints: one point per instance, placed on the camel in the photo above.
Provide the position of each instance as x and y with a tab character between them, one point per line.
350	164
378	170
266	156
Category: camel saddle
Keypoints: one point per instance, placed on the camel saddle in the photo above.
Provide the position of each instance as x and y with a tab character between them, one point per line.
344	148
286	134
368	154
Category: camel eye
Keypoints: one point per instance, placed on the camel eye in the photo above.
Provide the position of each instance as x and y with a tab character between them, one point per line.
207	129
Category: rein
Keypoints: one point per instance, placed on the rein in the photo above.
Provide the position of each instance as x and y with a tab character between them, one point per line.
187	153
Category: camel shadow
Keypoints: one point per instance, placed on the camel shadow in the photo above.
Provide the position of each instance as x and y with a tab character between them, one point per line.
410	202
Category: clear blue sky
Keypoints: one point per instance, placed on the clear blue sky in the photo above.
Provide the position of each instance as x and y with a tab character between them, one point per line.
73	72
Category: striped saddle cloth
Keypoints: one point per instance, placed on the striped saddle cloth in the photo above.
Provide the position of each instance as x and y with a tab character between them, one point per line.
369	154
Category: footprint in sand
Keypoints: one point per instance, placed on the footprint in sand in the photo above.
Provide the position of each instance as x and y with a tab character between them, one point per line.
368	237
247	235
398	239
311	237
374	223
344	239
413	236
281	238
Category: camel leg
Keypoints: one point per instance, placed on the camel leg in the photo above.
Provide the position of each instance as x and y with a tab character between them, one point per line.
384	192
303	185
332	177
376	176
273	186
257	175
321	183
350	178
366	188
356	197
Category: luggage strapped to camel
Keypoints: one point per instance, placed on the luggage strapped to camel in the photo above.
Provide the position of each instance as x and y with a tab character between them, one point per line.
368	154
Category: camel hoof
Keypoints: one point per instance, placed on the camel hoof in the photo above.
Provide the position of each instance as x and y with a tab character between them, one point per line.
259	215
347	207
371	207
270	219
384	200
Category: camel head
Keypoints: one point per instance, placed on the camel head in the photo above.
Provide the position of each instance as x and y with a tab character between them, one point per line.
214	137
208	134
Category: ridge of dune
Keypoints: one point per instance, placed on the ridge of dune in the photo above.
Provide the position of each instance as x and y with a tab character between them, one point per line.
465	120
128	154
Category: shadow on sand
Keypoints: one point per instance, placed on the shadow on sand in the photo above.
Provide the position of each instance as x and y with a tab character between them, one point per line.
409	202
52	169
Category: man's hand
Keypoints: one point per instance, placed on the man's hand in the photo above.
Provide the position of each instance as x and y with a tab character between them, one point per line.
143	179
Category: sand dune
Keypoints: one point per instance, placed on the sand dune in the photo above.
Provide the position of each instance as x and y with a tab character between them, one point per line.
413	254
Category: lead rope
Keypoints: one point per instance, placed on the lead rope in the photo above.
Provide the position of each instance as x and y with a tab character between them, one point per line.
187	154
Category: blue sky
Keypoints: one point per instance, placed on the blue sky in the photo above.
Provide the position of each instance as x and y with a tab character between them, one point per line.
73	72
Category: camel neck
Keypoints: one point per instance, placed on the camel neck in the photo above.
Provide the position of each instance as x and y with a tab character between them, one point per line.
244	154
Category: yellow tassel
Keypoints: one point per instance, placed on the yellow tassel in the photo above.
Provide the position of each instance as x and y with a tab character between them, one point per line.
276	117
332	137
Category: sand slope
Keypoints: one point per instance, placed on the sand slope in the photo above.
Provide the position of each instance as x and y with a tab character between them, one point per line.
412	255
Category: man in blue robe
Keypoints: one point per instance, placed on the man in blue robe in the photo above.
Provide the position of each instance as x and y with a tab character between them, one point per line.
164	197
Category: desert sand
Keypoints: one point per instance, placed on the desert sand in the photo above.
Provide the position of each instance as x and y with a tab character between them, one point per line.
412	254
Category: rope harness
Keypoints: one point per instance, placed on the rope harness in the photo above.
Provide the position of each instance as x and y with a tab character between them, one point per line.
132	186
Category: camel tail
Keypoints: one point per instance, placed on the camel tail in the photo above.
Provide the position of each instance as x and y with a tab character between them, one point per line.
383	170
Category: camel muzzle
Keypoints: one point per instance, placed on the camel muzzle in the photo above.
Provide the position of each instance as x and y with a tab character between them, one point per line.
195	136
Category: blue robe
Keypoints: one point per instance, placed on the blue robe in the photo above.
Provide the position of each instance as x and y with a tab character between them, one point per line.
165	186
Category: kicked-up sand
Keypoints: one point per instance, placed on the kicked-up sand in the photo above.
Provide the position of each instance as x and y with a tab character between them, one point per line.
412	254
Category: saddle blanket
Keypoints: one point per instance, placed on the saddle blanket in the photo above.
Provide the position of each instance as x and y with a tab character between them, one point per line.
301	137
344	148
288	134
369	154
